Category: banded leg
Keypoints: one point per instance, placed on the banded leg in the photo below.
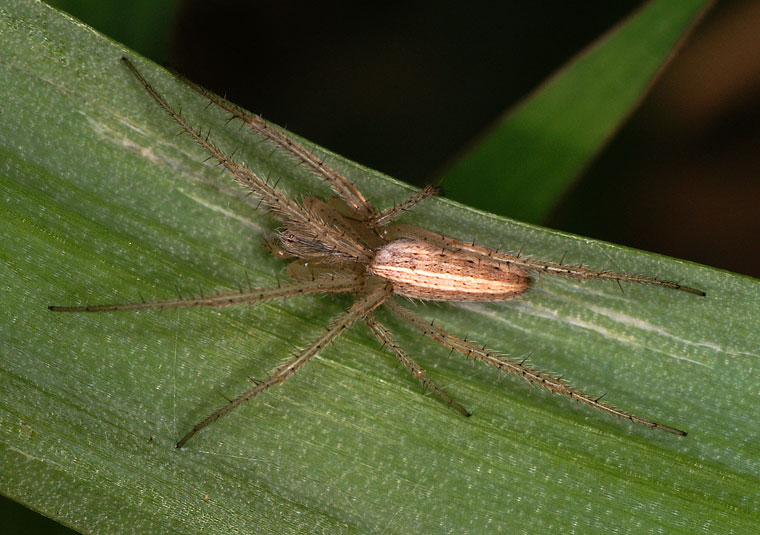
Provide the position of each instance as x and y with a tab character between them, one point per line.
529	374
358	311
385	336
253	295
345	189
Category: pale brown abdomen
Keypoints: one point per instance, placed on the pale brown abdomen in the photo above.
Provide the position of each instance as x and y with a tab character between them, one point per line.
420	270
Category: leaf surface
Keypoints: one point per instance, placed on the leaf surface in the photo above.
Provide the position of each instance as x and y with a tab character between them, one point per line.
102	201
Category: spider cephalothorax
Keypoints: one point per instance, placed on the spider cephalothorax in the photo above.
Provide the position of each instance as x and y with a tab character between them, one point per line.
344	245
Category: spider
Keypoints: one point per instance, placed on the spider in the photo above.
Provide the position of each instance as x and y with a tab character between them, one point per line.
345	245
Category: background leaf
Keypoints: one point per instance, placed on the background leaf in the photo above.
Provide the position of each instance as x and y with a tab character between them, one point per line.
102	201
144	24
530	158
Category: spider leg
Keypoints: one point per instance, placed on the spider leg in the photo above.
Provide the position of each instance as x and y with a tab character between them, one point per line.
388	215
280	204
385	336
345	189
359	310
529	374
332	285
297	216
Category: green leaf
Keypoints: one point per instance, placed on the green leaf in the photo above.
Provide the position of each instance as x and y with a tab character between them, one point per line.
533	154
103	202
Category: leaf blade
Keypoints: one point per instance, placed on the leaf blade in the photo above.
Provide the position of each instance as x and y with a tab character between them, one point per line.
527	161
101	200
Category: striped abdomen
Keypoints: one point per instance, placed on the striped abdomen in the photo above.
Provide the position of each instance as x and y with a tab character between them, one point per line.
420	270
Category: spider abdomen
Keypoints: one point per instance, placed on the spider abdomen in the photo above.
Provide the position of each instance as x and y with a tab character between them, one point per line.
420	270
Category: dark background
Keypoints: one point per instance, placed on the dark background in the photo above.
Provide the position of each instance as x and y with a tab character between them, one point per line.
402	86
